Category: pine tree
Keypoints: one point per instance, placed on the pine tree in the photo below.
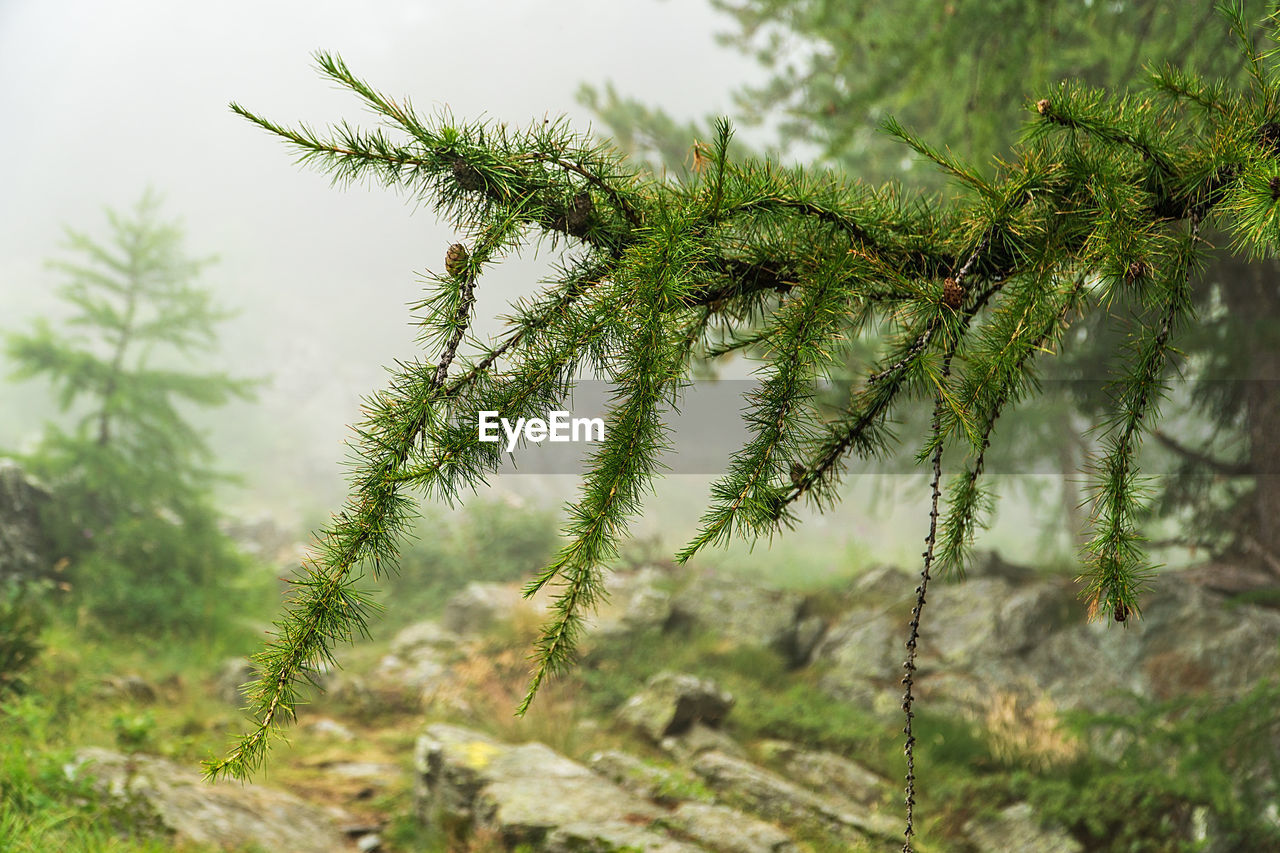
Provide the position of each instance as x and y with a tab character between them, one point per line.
134	513
1107	209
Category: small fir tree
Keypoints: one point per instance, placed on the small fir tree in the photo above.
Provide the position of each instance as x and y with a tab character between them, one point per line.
1104	210
134	514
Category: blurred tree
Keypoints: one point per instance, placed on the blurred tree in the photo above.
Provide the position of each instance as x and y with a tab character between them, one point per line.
962	72
134	510
1101	211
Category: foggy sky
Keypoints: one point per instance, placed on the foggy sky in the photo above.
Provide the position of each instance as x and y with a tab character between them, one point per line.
99	101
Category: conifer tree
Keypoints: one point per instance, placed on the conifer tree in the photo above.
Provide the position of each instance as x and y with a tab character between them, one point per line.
134	513
1107	209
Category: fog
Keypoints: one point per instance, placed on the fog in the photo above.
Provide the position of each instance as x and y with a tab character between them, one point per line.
102	100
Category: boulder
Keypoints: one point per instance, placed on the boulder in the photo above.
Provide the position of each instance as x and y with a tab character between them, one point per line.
25	550
671	703
830	774
226	815
636	601
418	660
662	785
1016	828
529	794
728	830
770	796
478	607
739	611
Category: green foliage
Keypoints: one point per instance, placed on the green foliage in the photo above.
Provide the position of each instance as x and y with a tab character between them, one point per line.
41	808
1170	759
133	511
21	621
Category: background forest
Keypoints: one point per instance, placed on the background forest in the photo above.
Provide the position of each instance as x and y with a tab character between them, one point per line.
173	422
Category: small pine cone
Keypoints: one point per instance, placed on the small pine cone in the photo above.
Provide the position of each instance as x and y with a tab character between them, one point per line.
1042	106
797	474
1274	186
455	260
578	219
467	176
1136	271
952	293
1121	612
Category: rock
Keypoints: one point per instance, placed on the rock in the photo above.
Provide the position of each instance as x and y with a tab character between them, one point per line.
699	738
830	774
774	798
228	815
671	703
728	830
26	553
739	611
862	646
418	664
131	687
885	585
1187	641
636	601
529	794
1015	828
481	606
332	729
663	786
234	675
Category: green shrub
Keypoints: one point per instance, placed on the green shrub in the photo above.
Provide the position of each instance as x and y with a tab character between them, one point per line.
20	626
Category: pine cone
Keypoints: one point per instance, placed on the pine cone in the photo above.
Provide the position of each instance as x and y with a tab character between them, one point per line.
1274	186
1136	270
1042	106
952	293
455	260
1121	612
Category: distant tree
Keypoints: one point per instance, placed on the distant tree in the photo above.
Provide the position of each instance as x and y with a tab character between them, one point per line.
1102	211
134	511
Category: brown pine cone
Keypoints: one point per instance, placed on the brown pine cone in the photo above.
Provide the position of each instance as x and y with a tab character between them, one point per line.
952	293
455	260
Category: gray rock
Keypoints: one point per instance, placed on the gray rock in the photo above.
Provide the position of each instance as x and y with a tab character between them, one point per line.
529	794
728	830
478	607
774	798
1015	828
671	703
25	549
418	663
662	785
829	774
739	611
699	738
233	677
862	646
636	601
228	815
